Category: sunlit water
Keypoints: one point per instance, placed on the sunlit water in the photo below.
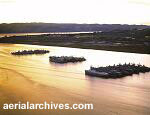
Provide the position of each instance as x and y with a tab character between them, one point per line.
19	34
23	34
67	82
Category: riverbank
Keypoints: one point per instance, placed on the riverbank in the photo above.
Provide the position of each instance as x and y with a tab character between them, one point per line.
109	41
127	49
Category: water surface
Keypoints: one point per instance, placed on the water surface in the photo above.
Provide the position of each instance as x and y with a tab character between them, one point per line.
23	34
35	79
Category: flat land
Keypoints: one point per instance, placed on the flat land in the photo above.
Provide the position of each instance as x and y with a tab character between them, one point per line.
135	41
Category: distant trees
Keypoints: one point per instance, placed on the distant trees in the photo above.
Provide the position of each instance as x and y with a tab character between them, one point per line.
54	27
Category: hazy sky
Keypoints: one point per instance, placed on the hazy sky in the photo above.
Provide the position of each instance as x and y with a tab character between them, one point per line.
76	11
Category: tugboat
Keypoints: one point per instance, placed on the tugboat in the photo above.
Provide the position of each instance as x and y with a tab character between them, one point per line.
66	59
96	73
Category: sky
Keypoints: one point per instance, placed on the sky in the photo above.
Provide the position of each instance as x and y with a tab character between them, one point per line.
76	11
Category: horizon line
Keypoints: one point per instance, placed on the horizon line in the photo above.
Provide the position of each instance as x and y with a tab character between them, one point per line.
148	24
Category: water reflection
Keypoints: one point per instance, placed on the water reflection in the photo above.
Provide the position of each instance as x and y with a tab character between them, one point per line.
131	90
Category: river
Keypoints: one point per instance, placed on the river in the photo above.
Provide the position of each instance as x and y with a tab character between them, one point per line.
35	79
24	34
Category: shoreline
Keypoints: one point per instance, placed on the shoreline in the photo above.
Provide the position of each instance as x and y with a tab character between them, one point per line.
125	49
119	41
